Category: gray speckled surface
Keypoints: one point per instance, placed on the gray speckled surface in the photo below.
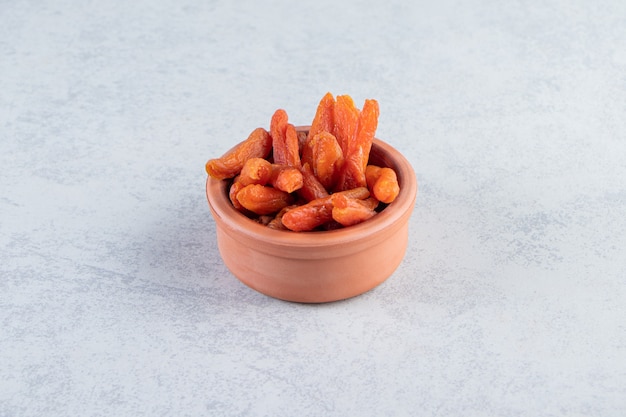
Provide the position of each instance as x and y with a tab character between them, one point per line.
113	297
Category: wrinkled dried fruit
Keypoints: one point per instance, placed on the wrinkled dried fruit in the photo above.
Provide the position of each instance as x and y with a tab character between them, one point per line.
278	127
255	171
312	188
372	172
383	183
324	120
257	145
317	212
262	199
357	149
292	147
308	216
346	121
349	211
235	187
310	180
324	155
368	123
286	178
285	144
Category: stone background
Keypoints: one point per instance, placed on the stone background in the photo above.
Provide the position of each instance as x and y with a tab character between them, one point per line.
511	300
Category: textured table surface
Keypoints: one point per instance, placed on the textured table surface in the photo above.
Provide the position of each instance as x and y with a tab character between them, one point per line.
511	300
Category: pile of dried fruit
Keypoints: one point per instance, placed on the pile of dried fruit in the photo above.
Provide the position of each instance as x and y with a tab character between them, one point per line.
315	180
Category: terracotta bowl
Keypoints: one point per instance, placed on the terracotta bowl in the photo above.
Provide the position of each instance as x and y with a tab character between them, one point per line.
320	266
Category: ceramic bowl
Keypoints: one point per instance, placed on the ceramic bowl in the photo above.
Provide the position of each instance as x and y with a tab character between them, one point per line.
319	266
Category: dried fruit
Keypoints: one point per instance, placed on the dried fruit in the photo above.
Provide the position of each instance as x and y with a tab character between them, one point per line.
262	199
235	187
317	212
286	178
324	155
346	122
285	144
317	180
255	171
293	146
382	182
312	188
357	149
257	145
350	211
324	120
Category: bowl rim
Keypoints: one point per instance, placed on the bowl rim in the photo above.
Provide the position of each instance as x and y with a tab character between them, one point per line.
381	224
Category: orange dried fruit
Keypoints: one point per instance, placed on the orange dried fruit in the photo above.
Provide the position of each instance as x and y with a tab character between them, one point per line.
382	182
317	212
325	169
261	199
346	117
285	144
257	145
286	178
349	211
324	155
312	188
235	187
292	146
324	120
255	171
357	148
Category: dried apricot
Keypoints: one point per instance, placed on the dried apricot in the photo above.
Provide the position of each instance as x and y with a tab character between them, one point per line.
285	144
357	148
372	172
255	171
368	123
324	120
324	155
286	178
349	211
312	188
292	147
346	121
382	182
317	212
309	216
261	199
235	187
257	145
